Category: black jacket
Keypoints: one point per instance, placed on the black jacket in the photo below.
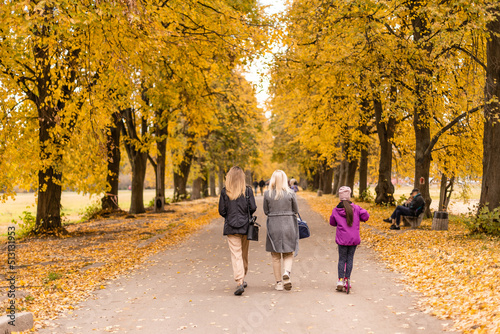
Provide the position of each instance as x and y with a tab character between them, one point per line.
235	212
417	205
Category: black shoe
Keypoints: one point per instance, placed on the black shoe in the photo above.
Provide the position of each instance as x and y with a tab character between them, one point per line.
245	285
395	227
239	291
388	220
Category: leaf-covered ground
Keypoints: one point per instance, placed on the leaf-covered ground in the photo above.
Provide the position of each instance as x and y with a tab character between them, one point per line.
54	274
457	274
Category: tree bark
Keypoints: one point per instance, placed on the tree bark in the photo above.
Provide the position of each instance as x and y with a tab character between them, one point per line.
420	113
197	185
490	189
363	172
352	166
336	180
220	178
181	176
213	193
344	170
48	209
316	180
110	199
327	180
445	192
161	131
138	160
385	131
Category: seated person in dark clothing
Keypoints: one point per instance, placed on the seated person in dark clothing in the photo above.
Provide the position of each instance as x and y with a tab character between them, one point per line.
413	209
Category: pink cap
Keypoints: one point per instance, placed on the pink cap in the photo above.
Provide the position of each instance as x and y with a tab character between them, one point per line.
344	193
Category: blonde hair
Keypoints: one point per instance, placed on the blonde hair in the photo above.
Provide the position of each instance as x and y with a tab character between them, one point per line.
235	183
279	184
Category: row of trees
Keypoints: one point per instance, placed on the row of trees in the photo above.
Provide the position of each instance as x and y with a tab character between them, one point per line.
367	82
82	81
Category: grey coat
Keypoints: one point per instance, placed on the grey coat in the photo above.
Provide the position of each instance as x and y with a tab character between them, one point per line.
282	225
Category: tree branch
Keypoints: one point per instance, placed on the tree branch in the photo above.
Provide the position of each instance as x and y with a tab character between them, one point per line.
449	126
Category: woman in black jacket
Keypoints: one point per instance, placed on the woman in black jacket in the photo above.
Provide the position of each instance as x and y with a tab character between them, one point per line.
235	201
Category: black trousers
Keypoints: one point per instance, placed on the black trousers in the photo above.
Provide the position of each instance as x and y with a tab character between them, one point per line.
346	260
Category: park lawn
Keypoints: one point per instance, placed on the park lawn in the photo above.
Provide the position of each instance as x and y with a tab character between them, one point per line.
73	205
457	275
57	273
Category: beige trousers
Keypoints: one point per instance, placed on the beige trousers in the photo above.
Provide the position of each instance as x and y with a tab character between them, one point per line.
238	245
287	264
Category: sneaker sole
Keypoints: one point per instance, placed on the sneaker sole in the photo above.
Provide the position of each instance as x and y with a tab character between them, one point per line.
340	288
287	285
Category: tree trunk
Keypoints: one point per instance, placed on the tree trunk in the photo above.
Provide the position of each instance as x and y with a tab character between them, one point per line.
138	163
336	180
221	178
316	180
161	145
110	199
490	189
48	209
327	180
344	170
212	183
204	185
197	185
363	172
352	166
138	160
420	113
385	131
445	192
181	176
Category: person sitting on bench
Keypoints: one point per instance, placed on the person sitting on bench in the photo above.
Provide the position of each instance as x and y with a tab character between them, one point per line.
414	209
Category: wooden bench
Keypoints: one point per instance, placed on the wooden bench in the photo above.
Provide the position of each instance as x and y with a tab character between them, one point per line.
412	221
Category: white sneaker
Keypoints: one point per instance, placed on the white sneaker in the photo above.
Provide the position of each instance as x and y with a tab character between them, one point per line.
340	285
279	286
287	284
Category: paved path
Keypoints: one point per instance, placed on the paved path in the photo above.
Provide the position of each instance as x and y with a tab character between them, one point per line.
190	290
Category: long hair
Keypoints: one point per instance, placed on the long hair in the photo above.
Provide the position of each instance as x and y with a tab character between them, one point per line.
278	185
348	212
235	183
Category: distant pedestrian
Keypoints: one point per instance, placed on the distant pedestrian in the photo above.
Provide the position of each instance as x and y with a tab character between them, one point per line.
234	206
280	206
294	185
255	186
347	216
262	184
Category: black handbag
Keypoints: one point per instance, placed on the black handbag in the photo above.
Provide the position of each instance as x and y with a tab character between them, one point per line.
253	226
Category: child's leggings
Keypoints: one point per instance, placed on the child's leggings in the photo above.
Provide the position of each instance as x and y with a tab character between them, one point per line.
346	258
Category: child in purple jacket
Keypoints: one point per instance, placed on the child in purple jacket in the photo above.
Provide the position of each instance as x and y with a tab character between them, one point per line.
346	216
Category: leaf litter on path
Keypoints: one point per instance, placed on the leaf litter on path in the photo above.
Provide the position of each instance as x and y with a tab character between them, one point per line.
58	273
457	275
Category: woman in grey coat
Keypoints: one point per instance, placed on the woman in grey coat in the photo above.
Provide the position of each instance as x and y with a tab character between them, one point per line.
280	206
